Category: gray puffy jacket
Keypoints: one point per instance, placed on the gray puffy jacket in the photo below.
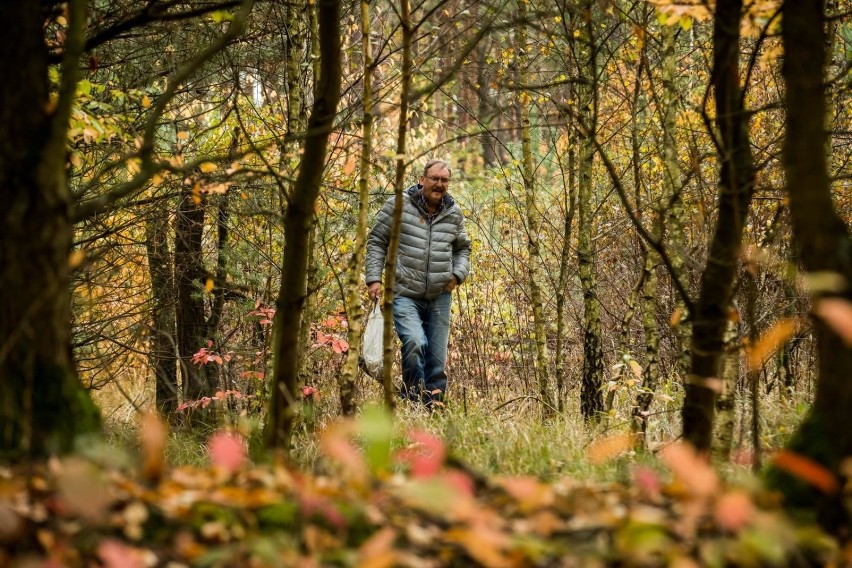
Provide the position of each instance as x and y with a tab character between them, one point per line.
429	253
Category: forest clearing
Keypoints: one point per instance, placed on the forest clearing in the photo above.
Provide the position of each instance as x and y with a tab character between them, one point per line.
634	287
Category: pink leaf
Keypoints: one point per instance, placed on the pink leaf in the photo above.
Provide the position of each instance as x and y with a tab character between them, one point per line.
647	480
115	554
425	456
837	314
323	338
308	391
734	510
227	451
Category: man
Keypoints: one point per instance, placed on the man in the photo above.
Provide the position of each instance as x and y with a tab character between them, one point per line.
433	258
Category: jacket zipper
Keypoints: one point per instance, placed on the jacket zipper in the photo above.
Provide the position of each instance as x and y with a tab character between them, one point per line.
428	256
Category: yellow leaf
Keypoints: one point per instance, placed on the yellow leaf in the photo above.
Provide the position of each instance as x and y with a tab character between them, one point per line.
207	167
823	281
76	258
61	21
636	368
156	180
769	342
146	102
208	285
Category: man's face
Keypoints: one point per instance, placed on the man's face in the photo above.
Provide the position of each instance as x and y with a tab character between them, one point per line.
435	184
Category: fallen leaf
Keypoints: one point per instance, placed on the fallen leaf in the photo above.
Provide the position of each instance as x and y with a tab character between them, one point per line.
605	449
691	468
530	493
115	554
377	551
647	480
425	456
227	451
734	510
153	435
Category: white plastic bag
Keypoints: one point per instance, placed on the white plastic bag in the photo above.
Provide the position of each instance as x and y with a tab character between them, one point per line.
372	350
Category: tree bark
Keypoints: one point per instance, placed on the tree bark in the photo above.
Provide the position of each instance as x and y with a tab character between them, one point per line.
43	406
354	311
163	355
192	332
823	243
532	223
399	186
297	223
591	398
736	185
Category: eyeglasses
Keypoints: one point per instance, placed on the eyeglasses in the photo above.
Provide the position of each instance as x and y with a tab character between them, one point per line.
437	179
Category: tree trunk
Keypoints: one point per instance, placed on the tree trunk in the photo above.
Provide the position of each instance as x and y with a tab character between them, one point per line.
570	202
192	333
591	398
399	186
163	355
354	311
823	243
532	225
43	406
297	223
673	186
726	403
736	184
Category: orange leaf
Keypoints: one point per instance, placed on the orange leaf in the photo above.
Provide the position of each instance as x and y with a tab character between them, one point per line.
734	510
528	492
607	448
377	551
691	468
349	167
837	314
769	342
676	318
153	434
807	470
336	443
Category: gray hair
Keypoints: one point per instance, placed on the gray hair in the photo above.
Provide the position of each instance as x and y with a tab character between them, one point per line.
434	162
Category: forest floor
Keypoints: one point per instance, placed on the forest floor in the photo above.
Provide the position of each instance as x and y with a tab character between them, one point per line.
379	500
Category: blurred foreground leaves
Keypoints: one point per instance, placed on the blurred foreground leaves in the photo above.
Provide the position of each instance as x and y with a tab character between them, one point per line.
372	508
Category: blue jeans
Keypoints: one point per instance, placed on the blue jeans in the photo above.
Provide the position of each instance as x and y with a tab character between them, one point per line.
423	327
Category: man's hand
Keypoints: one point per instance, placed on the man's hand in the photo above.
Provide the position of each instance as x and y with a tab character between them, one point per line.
374	289
451	285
